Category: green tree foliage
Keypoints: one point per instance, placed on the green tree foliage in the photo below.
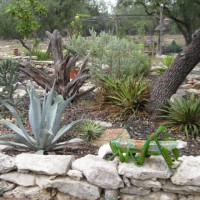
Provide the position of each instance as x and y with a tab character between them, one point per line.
185	13
61	13
27	14
133	20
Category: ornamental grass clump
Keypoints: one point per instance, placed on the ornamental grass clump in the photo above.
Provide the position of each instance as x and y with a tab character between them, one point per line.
183	115
44	118
91	130
129	93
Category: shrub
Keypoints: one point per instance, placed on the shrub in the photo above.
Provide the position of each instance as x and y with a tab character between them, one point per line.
184	115
111	55
40	55
167	62
173	48
91	130
8	78
44	118
128	93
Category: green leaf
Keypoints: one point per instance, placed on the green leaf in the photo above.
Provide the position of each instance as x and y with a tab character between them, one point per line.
66	128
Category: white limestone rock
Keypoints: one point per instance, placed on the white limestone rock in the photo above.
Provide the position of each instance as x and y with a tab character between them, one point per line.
135	190
33	193
44	164
19	178
6	186
111	194
151	196
99	172
7	163
146	183
63	196
188	172
126	181
193	91
154	167
186	86
179	189
75	174
80	189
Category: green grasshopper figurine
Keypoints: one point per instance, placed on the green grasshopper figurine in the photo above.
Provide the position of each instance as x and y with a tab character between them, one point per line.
138	150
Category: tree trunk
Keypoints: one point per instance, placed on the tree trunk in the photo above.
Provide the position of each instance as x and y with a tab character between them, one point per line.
166	85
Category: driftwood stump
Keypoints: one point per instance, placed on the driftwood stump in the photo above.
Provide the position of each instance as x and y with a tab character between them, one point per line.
63	66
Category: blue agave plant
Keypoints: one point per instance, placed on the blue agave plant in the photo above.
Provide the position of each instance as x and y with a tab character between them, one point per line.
45	119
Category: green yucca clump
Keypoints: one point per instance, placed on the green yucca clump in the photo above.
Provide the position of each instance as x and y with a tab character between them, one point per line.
184	115
128	93
167	62
45	118
91	130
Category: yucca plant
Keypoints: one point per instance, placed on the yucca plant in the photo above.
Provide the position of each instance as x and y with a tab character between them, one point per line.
91	130
167	62
45	118
183	115
128	93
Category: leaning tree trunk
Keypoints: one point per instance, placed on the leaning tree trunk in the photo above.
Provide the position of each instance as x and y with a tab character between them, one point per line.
166	85
63	66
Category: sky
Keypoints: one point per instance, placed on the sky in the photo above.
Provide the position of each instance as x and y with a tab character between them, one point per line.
110	3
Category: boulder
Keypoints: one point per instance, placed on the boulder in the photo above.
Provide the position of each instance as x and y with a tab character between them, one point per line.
75	174
99	172
19	178
7	163
146	183
170	187
151	196
44	164
188	172
111	194
6	186
111	134
154	167
80	189
33	193
135	190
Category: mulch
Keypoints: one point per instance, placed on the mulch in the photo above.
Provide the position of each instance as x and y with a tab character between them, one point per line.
139	127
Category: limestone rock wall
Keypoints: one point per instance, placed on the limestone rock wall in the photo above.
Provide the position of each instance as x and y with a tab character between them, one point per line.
38	177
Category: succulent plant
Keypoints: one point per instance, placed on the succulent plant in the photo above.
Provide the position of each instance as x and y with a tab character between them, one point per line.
45	119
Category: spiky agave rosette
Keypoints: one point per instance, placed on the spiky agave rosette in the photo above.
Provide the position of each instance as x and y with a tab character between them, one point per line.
45	119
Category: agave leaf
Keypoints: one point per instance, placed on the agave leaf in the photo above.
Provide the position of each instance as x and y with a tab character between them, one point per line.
47	108
17	130
61	109
44	138
13	144
43	122
52	116
19	121
66	128
35	113
9	136
40	152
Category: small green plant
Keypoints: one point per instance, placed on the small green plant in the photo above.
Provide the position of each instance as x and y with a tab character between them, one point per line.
44	118
40	55
139	150
129	93
91	130
183	115
174	48
167	62
8	79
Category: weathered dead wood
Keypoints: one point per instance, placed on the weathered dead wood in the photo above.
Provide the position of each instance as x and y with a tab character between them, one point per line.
63	66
